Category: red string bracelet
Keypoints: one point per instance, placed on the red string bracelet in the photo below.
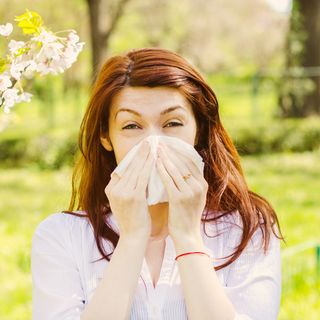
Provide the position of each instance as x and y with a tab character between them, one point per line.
184	254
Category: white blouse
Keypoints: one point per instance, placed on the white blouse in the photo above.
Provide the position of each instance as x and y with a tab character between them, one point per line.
64	279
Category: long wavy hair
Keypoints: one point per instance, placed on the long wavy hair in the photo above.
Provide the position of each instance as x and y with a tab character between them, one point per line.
228	191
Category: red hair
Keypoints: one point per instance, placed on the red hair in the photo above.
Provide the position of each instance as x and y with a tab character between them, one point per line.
228	191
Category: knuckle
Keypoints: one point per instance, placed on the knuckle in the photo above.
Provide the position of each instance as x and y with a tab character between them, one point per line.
191	195
107	190
197	191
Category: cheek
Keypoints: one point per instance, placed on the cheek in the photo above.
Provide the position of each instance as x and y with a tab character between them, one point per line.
189	134
119	155
121	150
195	133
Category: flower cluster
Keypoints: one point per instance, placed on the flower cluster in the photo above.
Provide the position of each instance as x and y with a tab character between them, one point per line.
45	53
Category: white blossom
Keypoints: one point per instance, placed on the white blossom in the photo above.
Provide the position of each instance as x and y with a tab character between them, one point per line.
15	45
50	51
30	69
55	57
45	53
73	38
6	29
10	97
57	66
5	83
16	69
72	49
71	52
45	37
24	97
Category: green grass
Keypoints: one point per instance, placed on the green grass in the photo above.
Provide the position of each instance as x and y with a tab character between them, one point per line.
289	181
27	196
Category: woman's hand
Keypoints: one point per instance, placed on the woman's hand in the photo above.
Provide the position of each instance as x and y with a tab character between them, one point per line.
187	198
127	195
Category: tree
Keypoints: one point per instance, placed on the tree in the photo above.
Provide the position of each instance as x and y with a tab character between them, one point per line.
300	89
100	32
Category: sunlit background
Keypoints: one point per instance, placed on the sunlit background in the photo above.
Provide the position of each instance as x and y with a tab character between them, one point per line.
262	59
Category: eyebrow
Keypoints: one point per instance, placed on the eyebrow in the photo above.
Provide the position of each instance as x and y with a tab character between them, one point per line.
165	111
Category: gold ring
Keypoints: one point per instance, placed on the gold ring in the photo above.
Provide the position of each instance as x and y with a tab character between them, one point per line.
187	176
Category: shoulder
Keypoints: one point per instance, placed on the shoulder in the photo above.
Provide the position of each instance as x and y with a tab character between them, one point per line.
229	232
58	230
59	222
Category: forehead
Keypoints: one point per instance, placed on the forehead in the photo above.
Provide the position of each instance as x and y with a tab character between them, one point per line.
156	98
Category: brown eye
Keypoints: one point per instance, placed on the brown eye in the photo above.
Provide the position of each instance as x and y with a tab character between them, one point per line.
129	125
175	124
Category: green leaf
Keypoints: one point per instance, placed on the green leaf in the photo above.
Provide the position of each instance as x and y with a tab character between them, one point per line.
30	22
3	64
21	51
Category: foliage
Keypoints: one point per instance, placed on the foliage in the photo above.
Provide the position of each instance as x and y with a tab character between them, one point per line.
291	135
30	22
50	150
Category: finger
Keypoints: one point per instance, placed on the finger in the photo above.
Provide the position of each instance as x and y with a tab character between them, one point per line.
144	174
194	183
173	173
137	172
130	175
190	162
179	162
114	179
166	178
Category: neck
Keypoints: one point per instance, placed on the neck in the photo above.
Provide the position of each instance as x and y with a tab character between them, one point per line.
159	220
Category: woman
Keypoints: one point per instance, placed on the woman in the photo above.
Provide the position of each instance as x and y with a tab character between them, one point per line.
159	267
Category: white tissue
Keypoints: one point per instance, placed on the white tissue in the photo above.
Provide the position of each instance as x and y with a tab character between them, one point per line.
156	191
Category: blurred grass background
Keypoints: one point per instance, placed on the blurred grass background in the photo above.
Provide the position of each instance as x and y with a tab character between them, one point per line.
280	157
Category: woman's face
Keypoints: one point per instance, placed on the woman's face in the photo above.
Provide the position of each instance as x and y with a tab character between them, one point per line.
138	112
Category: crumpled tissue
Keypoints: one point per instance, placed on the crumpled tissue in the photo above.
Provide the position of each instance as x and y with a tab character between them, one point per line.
156	192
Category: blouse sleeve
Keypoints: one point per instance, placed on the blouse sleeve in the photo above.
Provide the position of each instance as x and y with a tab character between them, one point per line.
253	282
56	287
